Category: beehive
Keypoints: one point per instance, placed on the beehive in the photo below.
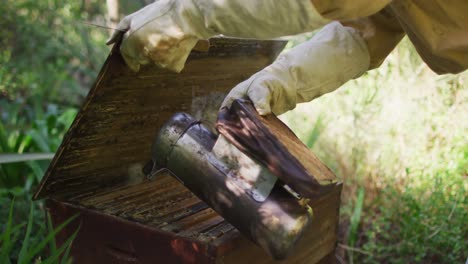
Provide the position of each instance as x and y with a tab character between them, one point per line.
124	218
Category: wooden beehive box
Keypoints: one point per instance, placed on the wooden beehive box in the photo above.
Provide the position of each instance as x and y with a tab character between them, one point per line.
123	217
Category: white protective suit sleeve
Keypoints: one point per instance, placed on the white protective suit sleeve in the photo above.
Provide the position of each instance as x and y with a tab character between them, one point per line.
166	31
330	58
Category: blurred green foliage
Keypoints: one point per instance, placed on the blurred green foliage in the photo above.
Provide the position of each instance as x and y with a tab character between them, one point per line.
48	54
42	133
397	139
48	59
30	246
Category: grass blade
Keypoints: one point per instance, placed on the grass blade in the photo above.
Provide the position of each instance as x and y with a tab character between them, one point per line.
25	245
36	169
3	139
46	240
40	140
316	131
6	237
354	221
65	249
65	258
356	218
52	244
7	247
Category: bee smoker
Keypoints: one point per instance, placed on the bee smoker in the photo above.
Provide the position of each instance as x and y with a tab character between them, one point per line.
236	186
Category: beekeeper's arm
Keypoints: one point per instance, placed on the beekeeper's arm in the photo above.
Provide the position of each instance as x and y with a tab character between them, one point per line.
337	53
166	31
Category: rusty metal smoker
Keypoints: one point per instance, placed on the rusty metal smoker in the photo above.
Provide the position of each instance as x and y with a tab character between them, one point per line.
241	190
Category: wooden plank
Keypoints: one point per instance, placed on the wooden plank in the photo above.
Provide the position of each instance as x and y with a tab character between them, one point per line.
110	140
187	223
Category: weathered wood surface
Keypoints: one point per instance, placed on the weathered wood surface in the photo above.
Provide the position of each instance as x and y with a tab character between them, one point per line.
161	220
97	170
111	138
299	150
272	143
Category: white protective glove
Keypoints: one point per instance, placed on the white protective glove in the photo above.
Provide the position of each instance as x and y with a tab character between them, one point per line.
330	58
166	31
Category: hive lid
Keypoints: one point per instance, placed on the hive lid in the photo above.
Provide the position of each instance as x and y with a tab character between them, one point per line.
110	139
273	144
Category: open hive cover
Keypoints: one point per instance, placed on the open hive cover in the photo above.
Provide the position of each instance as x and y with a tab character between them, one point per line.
110	139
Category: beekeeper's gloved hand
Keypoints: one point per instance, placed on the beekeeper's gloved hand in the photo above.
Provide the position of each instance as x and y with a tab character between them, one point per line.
165	32
333	56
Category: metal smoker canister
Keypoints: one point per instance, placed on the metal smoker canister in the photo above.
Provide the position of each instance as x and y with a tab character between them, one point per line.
185	147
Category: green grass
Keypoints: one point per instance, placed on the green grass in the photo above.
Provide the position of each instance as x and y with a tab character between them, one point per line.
397	138
22	248
48	61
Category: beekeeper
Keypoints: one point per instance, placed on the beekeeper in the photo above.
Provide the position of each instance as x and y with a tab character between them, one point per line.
356	36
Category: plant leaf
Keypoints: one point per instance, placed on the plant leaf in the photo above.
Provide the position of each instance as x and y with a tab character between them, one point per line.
3	139
65	249
25	245
50	236
37	170
39	138
316	131
52	244
356	217
6	238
